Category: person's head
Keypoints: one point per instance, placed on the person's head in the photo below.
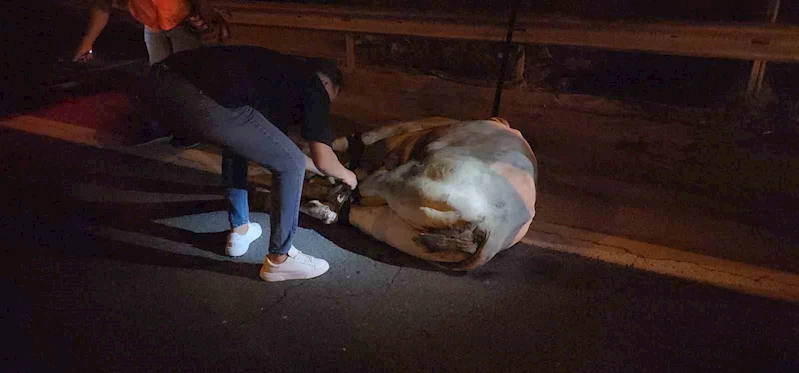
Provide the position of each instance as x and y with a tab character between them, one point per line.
329	74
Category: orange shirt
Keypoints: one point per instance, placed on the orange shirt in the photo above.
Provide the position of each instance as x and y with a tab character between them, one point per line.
159	14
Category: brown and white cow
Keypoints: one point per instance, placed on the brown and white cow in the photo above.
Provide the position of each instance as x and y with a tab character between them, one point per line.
451	192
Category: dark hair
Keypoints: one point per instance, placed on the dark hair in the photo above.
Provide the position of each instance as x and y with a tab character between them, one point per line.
329	69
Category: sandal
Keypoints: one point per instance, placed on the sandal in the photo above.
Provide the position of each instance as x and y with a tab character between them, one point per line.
86	57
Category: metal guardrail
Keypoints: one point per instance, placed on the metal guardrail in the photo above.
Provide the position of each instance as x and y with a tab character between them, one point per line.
765	42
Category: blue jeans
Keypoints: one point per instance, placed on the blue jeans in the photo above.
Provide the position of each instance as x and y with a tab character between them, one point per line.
162	44
244	134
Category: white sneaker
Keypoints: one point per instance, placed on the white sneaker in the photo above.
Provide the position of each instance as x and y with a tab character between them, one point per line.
298	266
238	244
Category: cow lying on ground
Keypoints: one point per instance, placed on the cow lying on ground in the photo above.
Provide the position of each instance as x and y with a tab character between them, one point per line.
450	192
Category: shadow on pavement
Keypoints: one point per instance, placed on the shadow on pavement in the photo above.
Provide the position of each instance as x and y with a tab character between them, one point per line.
61	223
65	213
351	239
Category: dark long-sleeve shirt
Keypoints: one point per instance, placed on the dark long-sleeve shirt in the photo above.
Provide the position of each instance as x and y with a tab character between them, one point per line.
282	88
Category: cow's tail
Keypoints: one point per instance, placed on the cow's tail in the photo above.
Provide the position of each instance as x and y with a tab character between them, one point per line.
466	238
469	238
480	257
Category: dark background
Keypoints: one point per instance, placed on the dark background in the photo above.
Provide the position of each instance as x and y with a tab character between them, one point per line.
51	36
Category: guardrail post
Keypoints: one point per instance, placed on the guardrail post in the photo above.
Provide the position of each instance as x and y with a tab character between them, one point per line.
518	71
505	58
759	66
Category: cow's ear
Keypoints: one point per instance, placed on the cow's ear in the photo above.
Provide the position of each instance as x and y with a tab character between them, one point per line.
355	150
500	120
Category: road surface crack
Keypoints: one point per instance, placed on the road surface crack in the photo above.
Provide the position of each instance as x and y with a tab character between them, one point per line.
368	292
285	295
394	278
257	315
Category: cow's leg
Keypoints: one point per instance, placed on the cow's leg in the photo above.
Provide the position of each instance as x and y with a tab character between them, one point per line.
384	132
372	201
314	191
323	200
341	144
316	188
319	210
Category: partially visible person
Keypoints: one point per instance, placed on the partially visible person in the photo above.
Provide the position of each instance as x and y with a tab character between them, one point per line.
244	99
166	29
170	26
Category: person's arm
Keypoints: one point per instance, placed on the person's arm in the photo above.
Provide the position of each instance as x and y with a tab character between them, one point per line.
310	166
98	19
327	162
317	131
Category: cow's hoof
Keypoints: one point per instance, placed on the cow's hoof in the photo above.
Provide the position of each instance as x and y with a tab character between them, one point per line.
321	211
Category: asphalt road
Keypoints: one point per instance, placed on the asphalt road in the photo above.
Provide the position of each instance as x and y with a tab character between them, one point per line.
113	264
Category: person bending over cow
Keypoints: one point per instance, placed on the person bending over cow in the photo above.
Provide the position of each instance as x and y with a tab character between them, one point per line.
244	99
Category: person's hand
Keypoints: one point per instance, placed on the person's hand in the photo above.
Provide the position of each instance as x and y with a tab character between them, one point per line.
198	23
84	53
351	180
